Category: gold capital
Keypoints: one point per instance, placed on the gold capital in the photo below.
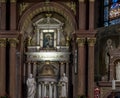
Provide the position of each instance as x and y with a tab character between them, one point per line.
2	42
91	41
13	42
80	41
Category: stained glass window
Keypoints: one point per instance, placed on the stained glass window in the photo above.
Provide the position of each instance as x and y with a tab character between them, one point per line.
111	12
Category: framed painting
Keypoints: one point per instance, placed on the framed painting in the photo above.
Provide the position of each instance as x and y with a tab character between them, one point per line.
48	39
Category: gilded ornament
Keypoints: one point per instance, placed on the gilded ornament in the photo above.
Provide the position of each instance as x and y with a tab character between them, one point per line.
13	42
23	7
91	41
80	41
67	40
2	42
72	6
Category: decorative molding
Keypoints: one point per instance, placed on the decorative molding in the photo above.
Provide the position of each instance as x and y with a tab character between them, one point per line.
13	42
23	7
72	6
47	56
91	41
2	42
80	41
42	9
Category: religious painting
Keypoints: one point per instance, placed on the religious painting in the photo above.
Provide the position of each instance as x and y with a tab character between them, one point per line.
48	39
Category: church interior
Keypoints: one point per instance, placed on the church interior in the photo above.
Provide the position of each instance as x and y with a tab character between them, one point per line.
59	49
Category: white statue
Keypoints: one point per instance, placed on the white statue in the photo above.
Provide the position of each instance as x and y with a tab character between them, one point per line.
118	71
64	86
31	84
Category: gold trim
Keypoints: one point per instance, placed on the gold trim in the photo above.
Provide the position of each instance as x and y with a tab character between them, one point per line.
13	42
80	41
2	42
91	41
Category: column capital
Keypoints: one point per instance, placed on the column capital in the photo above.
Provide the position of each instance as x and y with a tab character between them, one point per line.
80	41
13	41
2	42
91	41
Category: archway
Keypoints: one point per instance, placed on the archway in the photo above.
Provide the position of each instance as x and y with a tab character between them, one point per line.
35	24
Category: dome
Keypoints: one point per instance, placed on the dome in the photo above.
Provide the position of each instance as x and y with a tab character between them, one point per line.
46	70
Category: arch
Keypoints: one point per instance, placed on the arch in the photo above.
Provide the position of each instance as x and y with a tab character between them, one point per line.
42	7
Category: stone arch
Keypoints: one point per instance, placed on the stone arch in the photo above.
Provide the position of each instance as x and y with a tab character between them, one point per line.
42	7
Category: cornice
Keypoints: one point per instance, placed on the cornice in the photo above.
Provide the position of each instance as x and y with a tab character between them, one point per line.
9	34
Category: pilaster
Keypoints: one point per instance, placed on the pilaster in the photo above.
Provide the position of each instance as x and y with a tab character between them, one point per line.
91	15
91	43
81	66
82	14
3	15
2	66
13	74
13	14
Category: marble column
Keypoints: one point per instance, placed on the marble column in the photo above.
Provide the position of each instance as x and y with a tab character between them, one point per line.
38	37
40	91
43	90
62	68
81	66
50	90
91	42
3	15
29	68
13	73
91	14
82	14
34	68
2	66
67	69
55	92
13	14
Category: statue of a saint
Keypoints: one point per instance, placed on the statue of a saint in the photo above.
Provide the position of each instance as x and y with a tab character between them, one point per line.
109	46
118	71
64	86
31	84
